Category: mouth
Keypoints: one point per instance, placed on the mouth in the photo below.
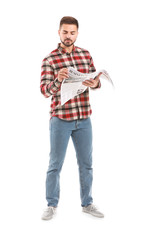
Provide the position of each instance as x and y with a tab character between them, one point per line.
67	42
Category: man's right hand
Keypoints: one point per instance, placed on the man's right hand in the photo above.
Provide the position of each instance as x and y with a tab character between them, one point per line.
62	74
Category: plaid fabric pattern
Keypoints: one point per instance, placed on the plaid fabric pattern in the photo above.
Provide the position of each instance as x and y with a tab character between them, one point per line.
78	107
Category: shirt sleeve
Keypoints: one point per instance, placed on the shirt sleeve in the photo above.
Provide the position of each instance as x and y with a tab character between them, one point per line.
93	69
49	85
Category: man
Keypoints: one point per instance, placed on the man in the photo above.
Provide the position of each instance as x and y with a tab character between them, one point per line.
69	120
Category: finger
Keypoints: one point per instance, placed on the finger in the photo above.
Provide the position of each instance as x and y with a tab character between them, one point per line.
99	74
64	70
63	75
89	81
87	84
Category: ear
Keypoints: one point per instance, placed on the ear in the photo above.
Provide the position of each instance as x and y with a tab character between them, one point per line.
59	32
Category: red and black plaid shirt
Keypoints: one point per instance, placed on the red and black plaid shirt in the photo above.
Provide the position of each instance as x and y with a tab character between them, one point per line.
78	107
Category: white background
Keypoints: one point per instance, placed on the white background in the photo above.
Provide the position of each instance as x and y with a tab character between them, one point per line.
112	32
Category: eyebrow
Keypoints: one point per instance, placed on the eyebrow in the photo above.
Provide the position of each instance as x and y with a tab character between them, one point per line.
67	31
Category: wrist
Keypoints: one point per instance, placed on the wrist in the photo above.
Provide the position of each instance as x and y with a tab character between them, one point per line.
59	80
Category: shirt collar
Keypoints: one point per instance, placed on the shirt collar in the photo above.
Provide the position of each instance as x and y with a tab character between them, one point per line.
62	50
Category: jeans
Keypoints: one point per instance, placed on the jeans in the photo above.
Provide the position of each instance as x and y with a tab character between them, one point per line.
81	134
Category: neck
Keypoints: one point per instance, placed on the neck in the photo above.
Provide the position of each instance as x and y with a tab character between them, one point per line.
68	49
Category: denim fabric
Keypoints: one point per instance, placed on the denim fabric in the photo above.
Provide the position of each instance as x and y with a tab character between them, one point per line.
81	133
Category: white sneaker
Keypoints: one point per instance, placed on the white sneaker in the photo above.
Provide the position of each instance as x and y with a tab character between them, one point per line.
49	213
91	209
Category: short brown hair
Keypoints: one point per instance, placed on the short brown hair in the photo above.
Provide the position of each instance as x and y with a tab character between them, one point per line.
69	20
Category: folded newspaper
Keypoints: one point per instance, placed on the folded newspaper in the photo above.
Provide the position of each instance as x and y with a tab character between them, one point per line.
73	86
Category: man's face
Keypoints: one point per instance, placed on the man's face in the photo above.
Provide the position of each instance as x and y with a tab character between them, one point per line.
68	34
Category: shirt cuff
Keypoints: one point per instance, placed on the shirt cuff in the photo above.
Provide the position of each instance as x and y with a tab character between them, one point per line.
57	83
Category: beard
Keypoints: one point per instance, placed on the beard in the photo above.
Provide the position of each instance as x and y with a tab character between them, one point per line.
67	42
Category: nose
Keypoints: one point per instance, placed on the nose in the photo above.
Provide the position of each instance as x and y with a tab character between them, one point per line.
68	36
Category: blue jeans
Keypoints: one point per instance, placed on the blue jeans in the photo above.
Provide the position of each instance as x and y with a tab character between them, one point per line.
81	133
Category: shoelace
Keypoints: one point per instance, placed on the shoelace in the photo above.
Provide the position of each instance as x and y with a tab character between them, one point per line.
50	208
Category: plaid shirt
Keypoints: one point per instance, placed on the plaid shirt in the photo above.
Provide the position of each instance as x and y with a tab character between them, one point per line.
79	106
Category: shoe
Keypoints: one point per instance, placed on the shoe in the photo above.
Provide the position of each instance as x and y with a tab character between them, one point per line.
49	213
91	209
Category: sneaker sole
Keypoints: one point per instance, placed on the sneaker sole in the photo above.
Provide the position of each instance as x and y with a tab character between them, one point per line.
99	216
46	218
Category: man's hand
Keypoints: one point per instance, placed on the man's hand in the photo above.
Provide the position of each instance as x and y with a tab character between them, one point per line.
93	83
62	74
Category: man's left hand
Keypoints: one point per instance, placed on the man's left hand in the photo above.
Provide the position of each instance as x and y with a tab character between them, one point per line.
93	83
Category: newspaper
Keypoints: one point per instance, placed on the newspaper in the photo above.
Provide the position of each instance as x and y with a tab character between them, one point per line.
73	86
